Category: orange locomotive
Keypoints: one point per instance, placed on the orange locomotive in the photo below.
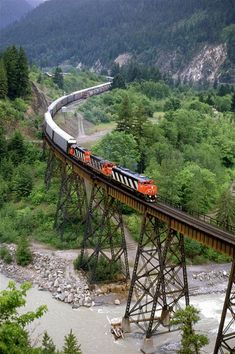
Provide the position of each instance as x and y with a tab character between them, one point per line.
142	185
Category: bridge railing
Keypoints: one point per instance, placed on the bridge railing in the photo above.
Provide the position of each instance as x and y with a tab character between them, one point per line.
206	218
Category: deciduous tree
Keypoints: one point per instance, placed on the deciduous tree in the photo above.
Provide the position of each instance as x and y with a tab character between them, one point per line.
14	337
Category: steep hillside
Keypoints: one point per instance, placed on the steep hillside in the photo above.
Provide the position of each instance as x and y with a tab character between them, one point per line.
35	3
12	10
166	33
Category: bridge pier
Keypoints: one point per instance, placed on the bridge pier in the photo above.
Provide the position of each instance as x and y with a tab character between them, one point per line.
104	233
225	342
159	279
50	168
147	346
72	201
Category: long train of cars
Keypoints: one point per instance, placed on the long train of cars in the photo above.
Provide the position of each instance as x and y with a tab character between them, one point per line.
139	184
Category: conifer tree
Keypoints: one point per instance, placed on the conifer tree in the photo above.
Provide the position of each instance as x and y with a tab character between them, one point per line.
3	80
233	103
22	74
118	82
23	253
125	116
10	58
17	148
48	347
71	345
58	78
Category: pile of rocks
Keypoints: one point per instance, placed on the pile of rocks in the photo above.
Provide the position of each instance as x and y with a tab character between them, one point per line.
53	274
214	281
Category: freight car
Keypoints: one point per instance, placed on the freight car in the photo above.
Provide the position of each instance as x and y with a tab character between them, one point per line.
141	185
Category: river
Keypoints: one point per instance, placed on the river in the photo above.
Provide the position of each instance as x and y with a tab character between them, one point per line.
91	325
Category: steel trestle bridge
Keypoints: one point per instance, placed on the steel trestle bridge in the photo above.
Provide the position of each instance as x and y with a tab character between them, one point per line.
159	276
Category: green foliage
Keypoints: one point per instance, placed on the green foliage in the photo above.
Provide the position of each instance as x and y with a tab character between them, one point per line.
3	80
157	90
14	337
22	182
58	78
146	35
17	148
48	347
120	148
233	103
17	72
5	255
172	104
23	253
223	104
71	345
118	82
226	209
103	271
191	342
228	35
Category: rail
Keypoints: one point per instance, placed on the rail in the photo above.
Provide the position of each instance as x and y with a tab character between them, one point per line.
204	217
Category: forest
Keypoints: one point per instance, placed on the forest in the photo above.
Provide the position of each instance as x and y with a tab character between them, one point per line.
149	30
181	137
184	139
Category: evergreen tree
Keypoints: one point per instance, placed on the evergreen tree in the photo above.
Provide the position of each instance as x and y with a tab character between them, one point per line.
58	78
48	347
233	103
71	345
10	58
115	69
22	74
125	116
139	122
22	182
16	147
118	82
3	80
191	343
3	147
23	253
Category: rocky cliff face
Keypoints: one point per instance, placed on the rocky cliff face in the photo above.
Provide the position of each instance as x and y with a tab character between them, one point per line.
205	66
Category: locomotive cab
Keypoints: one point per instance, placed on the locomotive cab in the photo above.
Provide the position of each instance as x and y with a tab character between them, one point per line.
80	153
148	189
107	168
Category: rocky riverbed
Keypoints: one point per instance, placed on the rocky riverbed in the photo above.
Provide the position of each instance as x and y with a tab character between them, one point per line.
52	270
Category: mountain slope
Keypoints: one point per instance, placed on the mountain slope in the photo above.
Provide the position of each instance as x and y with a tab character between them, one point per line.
12	10
35	3
151	31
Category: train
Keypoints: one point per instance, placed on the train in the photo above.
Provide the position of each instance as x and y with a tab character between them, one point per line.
139	184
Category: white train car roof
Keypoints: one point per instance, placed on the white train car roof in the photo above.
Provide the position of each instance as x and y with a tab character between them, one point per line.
91	88
55	127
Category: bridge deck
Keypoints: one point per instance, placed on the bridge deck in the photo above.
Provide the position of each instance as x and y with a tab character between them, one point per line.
207	234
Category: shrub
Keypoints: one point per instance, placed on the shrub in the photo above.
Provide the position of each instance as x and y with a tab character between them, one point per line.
23	253
102	271
5	255
22	181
